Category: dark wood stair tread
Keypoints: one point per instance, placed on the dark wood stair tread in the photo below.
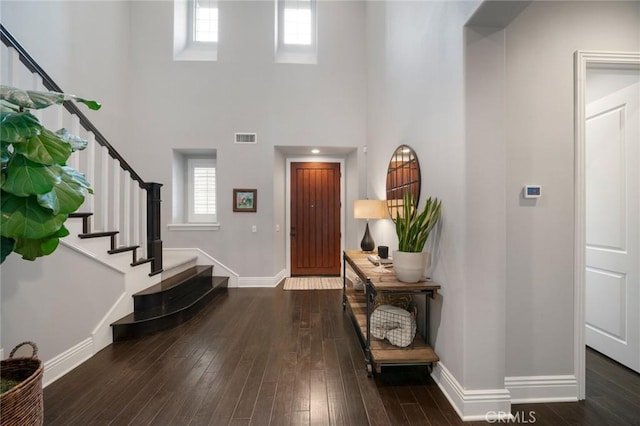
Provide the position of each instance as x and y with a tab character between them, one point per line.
171	312
175	280
142	261
122	249
98	234
220	282
185	302
173	301
80	214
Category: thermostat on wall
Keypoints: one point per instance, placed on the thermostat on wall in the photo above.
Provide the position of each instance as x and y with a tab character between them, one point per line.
532	191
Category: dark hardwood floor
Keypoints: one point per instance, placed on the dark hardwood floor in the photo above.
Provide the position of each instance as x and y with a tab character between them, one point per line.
265	356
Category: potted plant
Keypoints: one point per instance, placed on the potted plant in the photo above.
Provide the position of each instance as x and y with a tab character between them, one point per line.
39	190
413	228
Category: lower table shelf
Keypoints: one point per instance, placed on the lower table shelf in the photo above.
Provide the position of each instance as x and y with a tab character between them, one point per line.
381	352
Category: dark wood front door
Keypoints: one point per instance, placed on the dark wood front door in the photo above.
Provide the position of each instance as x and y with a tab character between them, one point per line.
315	219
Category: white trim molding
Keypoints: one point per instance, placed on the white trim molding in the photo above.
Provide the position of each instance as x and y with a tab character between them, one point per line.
193	226
102	334
472	405
536	389
582	61
266	282
61	364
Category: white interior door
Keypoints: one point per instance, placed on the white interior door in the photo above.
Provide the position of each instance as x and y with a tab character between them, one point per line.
612	226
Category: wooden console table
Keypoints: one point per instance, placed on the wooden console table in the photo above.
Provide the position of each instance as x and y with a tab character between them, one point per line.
379	353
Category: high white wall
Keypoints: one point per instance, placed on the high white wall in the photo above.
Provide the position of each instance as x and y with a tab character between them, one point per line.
489	108
506	307
540	44
84	47
416	96
120	52
182	104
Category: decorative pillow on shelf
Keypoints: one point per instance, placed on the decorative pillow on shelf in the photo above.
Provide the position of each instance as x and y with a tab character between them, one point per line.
394	324
358	284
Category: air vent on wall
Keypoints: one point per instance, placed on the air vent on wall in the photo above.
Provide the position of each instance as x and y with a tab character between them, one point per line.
246	138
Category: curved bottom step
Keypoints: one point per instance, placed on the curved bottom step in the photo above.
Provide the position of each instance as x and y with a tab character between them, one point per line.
167	315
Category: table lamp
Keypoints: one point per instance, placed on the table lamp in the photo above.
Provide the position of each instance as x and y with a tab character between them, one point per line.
369	209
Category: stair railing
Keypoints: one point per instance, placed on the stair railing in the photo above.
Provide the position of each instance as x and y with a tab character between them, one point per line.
123	201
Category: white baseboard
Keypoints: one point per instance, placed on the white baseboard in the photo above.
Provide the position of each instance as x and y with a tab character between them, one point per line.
472	405
102	334
268	282
534	389
67	361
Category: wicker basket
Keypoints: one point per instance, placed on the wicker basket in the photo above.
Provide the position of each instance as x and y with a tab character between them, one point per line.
22	405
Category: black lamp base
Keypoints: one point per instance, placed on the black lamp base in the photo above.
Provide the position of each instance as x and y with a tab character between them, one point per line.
367	243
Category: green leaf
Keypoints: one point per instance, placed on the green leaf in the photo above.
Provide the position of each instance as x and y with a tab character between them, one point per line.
413	229
26	178
46	148
38	100
76	142
24	217
18	127
68	194
63	232
32	249
6	248
5	154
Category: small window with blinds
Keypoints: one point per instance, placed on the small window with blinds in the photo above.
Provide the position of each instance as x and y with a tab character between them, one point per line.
201	190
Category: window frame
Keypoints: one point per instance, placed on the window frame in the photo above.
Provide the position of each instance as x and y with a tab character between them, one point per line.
185	47
192	26
295	53
191	216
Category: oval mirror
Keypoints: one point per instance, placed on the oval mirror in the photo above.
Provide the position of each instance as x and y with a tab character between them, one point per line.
403	175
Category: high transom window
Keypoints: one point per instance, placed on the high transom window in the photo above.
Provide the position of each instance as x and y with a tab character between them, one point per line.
205	21
195	30
296	22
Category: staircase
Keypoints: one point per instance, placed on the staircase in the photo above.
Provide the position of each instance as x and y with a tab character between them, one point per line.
126	211
86	227
172	301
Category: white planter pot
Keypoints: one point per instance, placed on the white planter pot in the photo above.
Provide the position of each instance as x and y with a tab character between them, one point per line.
410	267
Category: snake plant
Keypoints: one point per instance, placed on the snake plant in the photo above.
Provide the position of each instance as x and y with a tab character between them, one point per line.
413	228
39	189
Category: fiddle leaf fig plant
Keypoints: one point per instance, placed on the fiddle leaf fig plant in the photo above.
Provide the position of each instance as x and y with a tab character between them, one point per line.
38	189
413	228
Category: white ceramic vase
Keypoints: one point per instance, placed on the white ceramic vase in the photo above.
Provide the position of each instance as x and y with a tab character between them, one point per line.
410	267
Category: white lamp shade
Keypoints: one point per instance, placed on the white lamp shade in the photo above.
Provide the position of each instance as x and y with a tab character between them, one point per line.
370	209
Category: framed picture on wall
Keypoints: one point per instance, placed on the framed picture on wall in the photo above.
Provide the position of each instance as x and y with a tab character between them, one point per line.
245	200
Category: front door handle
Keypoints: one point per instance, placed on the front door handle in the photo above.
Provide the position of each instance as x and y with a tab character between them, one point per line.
293	231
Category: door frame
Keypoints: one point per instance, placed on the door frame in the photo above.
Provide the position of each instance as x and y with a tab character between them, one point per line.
287	225
582	61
